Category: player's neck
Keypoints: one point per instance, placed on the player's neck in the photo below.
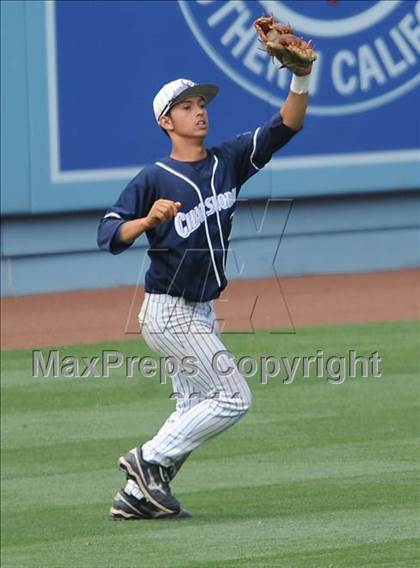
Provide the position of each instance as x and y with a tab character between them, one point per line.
188	151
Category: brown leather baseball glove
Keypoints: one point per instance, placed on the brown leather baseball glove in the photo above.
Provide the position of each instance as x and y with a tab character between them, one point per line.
280	42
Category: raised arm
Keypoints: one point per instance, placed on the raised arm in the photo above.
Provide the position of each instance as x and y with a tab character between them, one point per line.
295	54
251	151
294	109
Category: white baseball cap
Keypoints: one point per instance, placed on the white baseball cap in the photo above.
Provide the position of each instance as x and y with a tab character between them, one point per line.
176	91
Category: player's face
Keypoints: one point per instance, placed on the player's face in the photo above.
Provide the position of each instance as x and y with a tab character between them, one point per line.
189	118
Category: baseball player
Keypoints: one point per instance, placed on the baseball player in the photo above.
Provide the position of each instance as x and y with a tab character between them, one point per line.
184	203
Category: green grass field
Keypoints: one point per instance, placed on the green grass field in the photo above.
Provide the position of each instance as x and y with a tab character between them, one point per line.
316	475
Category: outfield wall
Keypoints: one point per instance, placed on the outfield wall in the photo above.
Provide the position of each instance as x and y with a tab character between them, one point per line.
322	235
76	124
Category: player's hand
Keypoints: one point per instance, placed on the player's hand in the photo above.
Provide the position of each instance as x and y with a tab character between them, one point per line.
162	210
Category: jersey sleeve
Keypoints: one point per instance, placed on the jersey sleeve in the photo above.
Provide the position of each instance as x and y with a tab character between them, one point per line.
251	151
134	202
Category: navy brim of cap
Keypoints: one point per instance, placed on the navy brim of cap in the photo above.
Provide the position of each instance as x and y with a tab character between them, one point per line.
207	91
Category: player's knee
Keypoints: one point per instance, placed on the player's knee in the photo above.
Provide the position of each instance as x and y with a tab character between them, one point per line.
242	400
232	406
246	399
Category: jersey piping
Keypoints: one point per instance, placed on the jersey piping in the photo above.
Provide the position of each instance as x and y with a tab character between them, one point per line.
216	161
254	147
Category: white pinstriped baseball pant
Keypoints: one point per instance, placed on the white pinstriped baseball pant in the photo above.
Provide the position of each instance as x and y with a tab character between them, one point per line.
208	402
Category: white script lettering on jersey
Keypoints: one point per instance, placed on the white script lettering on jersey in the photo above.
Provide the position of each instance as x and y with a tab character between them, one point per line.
186	223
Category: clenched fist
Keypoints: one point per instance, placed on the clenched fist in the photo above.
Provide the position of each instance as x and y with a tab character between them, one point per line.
162	210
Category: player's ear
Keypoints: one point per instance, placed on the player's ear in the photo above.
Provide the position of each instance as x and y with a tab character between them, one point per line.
166	122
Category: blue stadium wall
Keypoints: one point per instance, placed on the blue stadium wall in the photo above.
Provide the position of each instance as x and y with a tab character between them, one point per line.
77	124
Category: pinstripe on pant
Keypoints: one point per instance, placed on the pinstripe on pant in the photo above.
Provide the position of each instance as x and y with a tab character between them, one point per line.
208	402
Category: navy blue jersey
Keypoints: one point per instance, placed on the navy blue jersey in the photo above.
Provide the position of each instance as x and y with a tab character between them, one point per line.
188	253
